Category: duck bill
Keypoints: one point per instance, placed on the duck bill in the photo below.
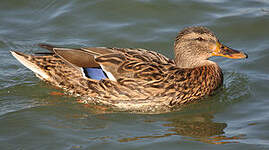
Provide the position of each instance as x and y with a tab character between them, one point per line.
225	51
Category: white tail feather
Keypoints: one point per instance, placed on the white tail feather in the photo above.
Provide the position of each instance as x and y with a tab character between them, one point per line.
39	72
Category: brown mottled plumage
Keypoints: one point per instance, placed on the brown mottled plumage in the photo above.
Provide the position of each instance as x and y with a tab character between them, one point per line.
138	80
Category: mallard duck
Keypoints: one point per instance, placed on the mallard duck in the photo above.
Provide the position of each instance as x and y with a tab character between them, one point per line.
136	79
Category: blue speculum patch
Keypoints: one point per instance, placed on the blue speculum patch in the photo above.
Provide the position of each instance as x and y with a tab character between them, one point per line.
94	73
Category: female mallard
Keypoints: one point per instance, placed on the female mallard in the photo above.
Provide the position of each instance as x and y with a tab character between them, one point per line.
136	79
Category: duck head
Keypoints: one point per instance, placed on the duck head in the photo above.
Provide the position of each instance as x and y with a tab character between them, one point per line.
194	45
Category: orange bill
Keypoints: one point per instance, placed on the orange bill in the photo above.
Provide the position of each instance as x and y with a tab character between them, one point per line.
225	51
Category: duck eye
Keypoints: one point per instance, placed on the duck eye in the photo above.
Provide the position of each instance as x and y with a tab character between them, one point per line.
200	39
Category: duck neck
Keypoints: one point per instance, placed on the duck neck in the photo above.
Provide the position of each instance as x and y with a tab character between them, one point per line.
191	62
187	60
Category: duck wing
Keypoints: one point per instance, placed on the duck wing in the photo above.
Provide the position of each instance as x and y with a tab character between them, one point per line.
117	63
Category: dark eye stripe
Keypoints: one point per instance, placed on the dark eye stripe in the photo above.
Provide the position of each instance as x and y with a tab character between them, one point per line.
199	39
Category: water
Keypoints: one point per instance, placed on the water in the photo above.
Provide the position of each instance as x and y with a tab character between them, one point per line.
33	118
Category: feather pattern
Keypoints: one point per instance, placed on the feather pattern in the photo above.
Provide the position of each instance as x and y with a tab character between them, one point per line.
136	79
145	80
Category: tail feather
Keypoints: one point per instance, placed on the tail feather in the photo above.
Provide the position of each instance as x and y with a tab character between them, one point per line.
26	61
47	46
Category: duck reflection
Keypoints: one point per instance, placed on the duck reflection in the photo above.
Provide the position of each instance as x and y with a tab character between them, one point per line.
197	127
